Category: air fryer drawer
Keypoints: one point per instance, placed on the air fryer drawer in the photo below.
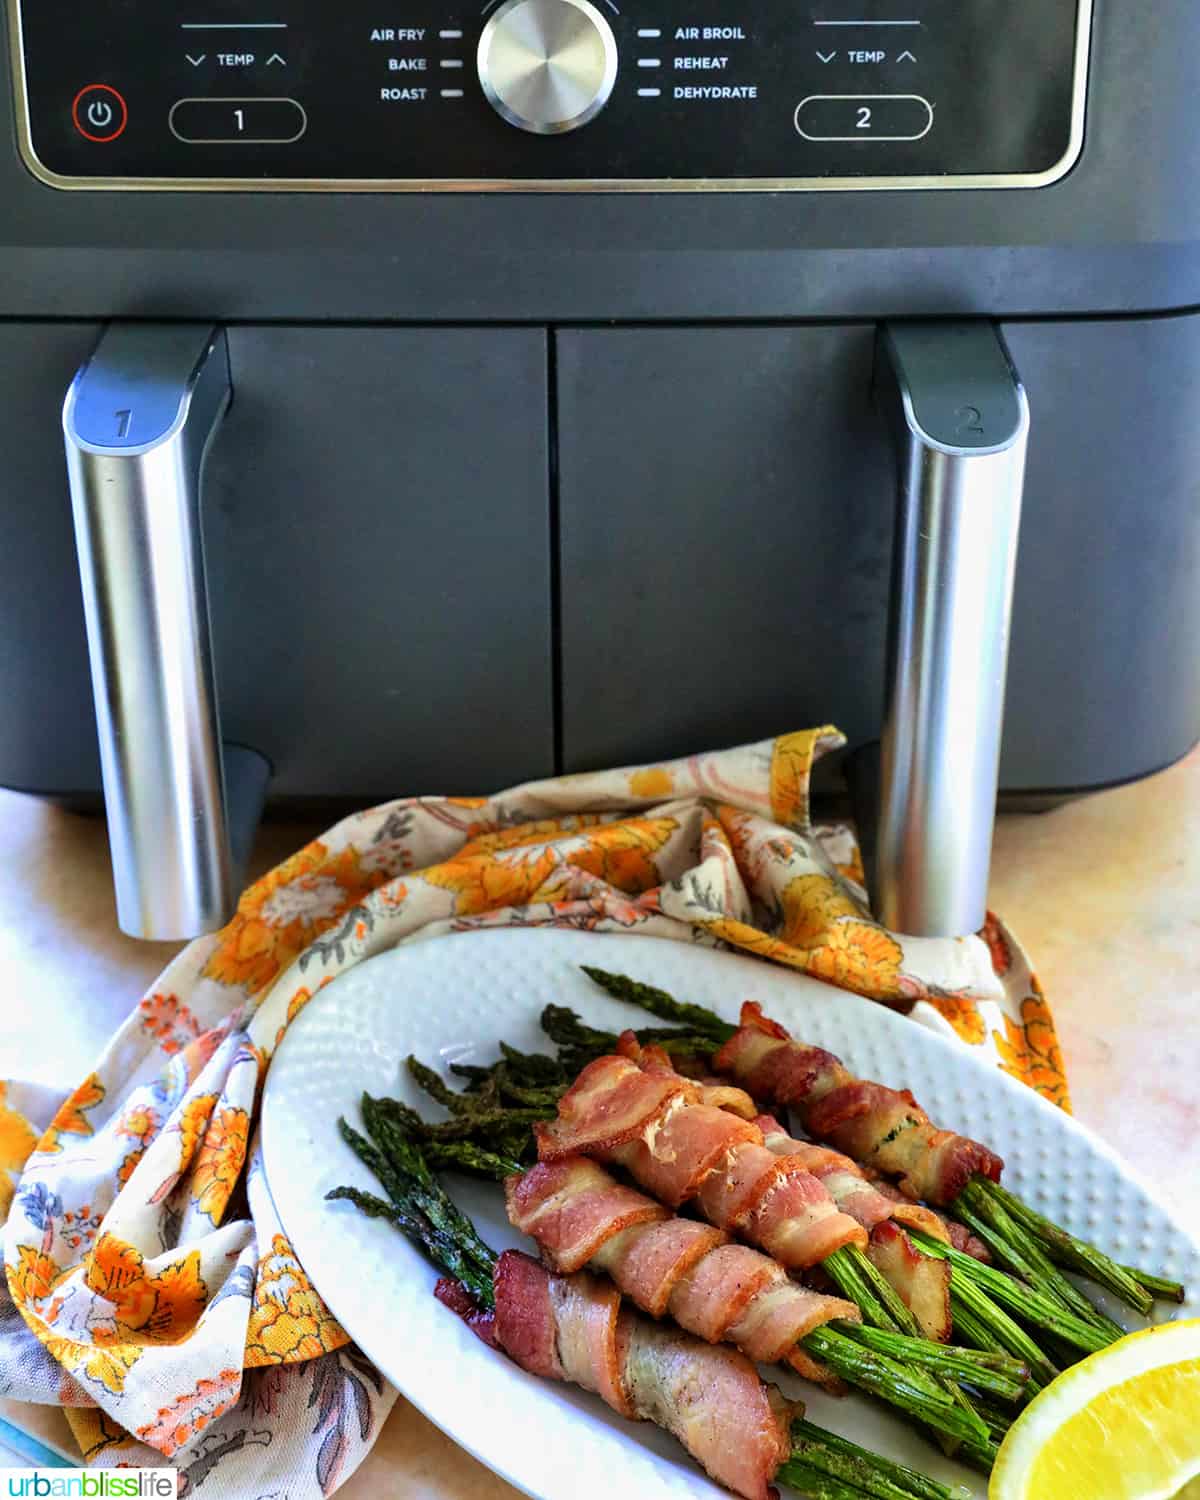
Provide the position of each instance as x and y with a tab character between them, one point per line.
726	528
376	522
726	509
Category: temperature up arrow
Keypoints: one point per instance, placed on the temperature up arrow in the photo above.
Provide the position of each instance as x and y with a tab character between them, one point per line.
906	57
275	58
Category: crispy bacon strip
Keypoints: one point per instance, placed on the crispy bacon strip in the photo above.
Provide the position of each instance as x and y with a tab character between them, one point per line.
921	1281
720	1291
611	1102
884	1128
573	1207
652	1058
655	1124
844	1180
869	1201
573	1328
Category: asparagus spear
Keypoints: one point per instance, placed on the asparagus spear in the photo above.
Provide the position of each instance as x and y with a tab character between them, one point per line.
977	1320
916	1483
1015	1246
874	1283
445	1250
530	1069
1159	1286
897	1384
821	1475
1027	1303
660	1003
466	1156
573	1036
460	1127
1001	1374
814	1484
846	1271
1070	1251
999	1418
470	1106
409	1178
815	1463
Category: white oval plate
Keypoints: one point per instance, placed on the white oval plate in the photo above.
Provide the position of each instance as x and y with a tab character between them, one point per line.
451	1000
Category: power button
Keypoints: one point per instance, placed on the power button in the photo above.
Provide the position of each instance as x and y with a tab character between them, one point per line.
99	112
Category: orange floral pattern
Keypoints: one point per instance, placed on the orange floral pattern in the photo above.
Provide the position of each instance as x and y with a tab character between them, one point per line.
288	1320
859	956
128	1165
188	1415
482	882
994	936
105	1364
1029	1049
169	1021
148	1307
193	1123
962	1014
35	1275
541	831
139	1123
132	1305
284	911
792	758
219	1161
653	781
622	854
96	1432
811	904
71	1118
153	1303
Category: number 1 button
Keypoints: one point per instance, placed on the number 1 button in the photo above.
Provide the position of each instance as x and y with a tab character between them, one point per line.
864	117
249	122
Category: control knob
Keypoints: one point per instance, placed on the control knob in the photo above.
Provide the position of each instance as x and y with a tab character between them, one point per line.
547	66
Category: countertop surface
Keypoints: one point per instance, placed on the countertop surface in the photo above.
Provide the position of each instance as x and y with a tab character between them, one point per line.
1102	893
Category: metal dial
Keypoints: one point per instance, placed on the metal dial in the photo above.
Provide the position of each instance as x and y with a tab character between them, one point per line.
547	66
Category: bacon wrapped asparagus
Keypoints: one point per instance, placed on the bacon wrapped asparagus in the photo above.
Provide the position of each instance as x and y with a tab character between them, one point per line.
634	1110
575	1328
922	1282
651	1121
887	1130
580	1215
882	1127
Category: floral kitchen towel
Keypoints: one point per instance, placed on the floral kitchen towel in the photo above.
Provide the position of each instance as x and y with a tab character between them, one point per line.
152	1289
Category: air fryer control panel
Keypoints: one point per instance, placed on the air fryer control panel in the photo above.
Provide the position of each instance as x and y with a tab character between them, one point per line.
603	94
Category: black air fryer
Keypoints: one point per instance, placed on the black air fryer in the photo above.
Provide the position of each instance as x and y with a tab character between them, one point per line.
434	398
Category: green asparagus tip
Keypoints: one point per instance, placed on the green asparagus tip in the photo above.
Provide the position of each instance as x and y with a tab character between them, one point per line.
1065	1248
660	1003
1158	1286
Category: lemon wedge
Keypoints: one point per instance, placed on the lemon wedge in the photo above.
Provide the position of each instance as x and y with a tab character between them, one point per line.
1123	1424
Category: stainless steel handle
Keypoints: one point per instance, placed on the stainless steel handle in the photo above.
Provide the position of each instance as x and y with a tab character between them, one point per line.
960	421
137	422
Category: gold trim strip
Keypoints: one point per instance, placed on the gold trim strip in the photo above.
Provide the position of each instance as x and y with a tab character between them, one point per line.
1083	35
